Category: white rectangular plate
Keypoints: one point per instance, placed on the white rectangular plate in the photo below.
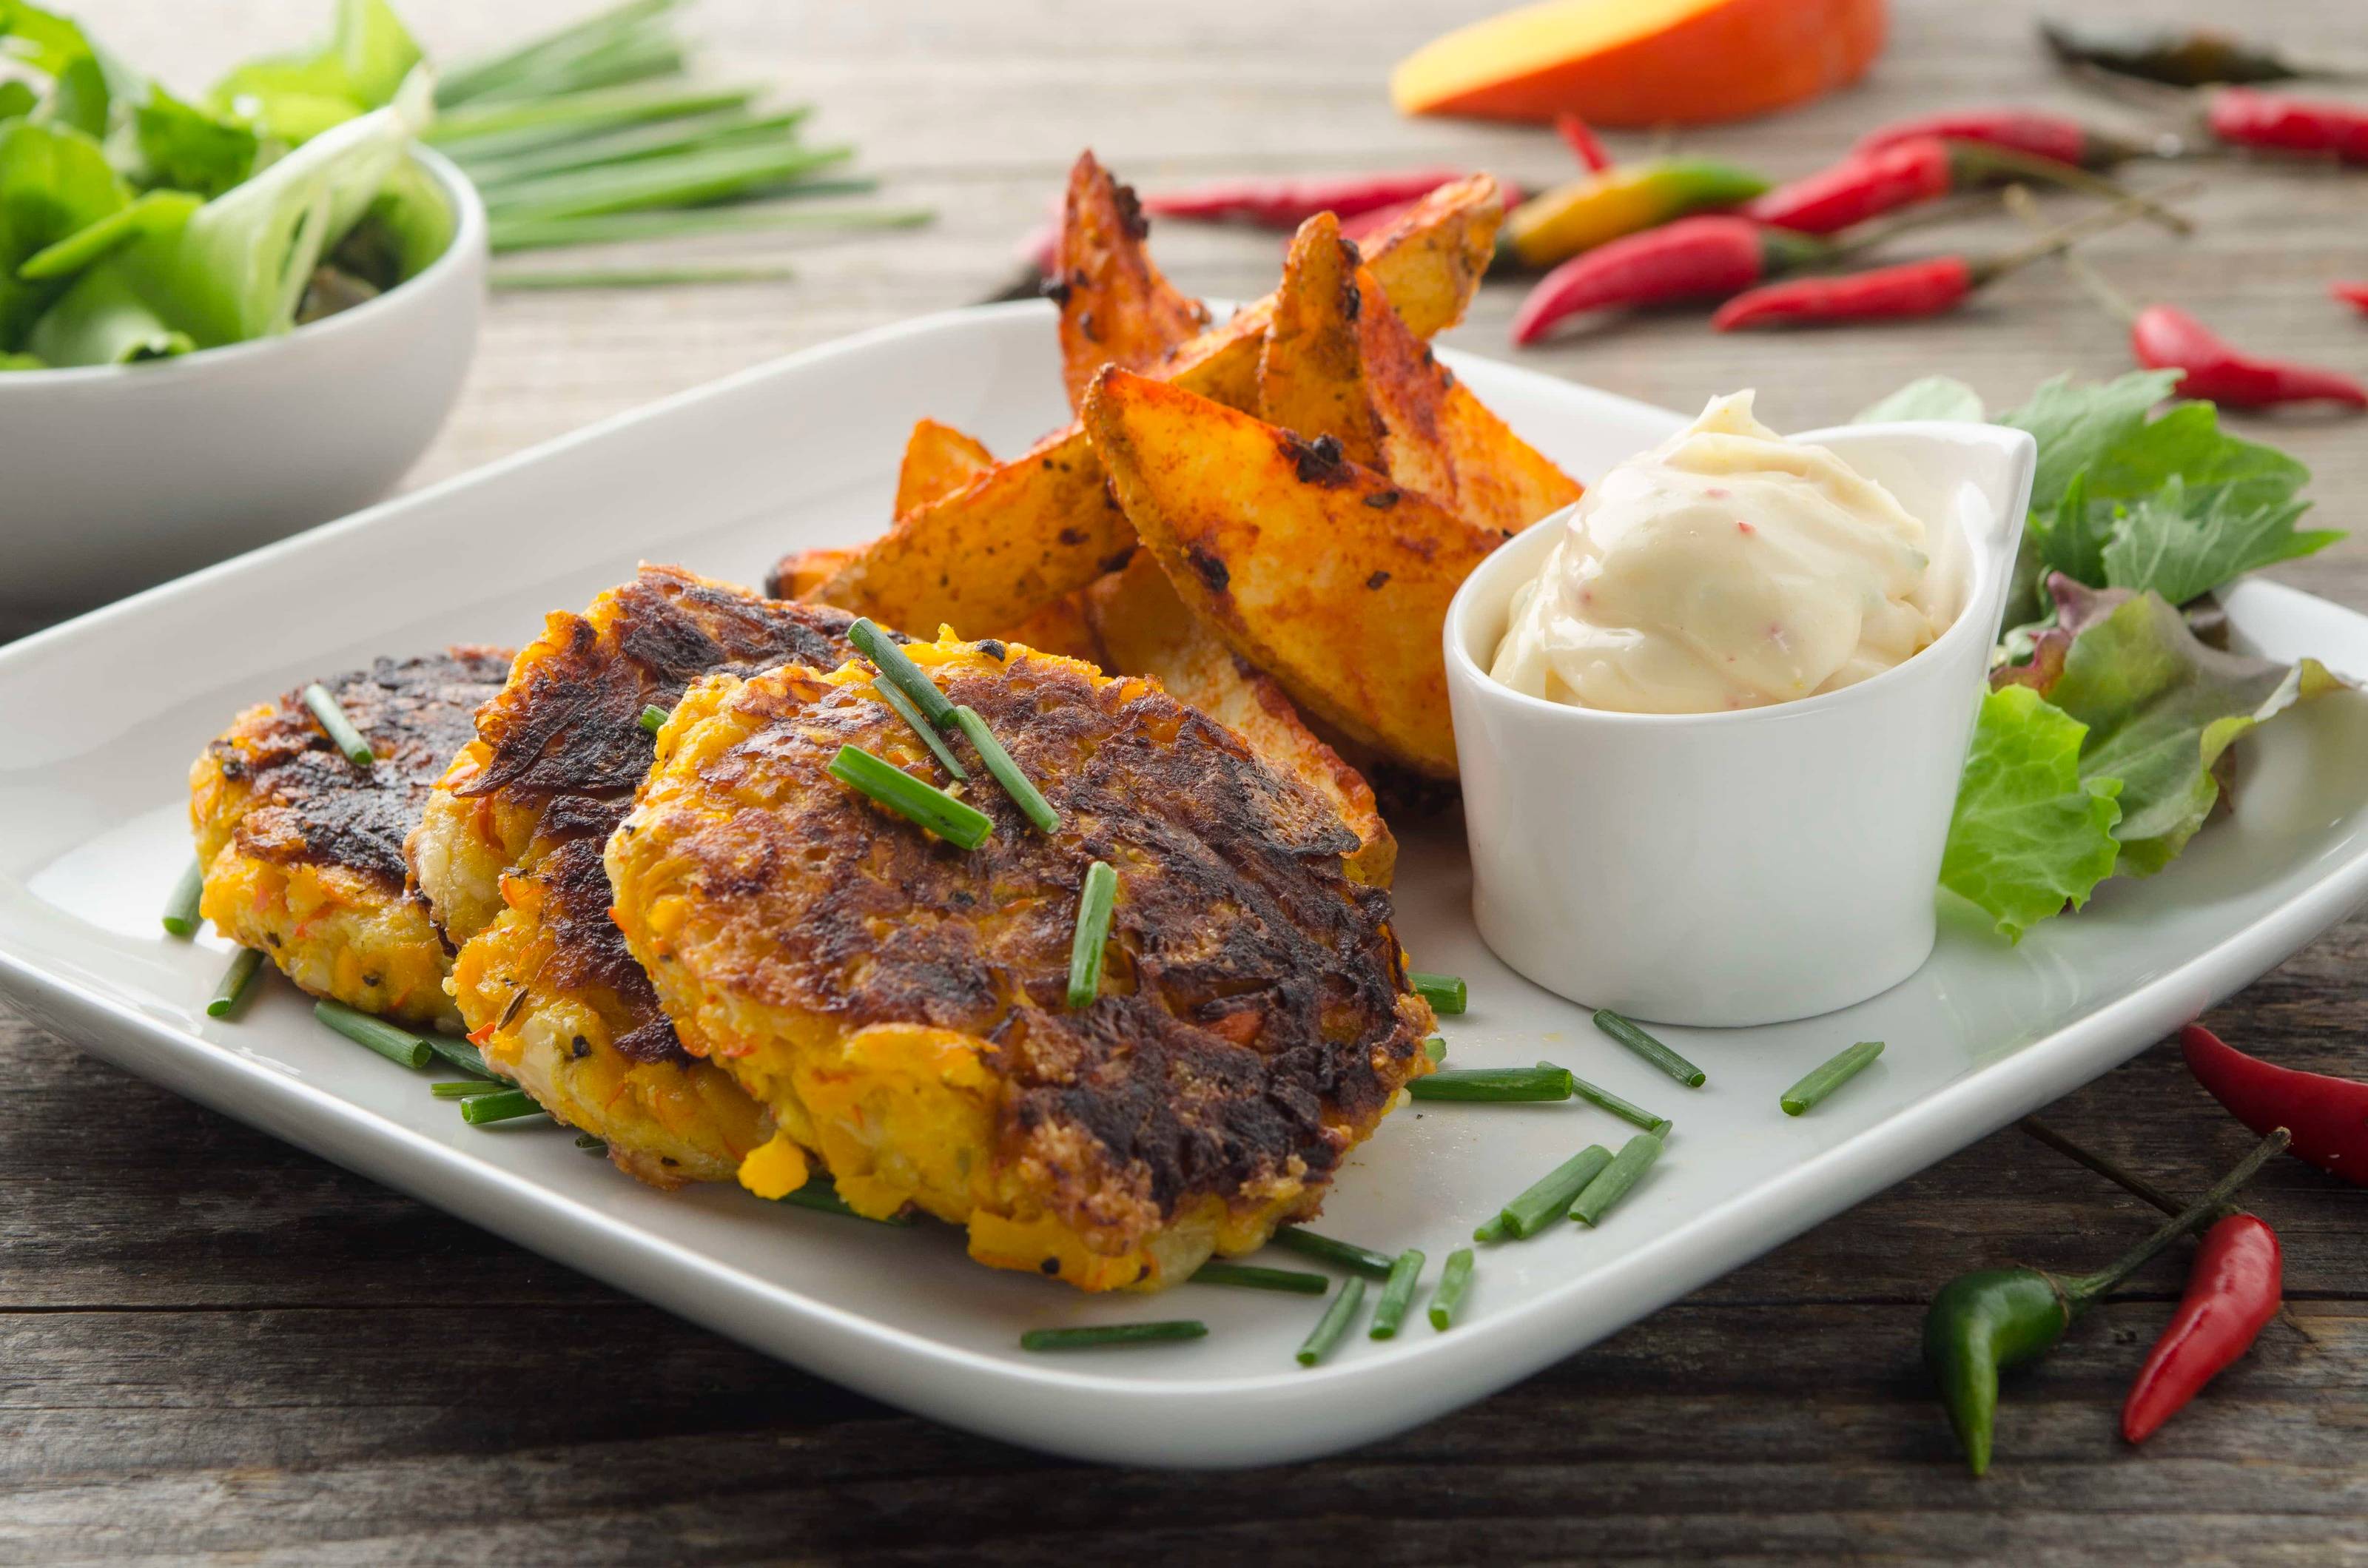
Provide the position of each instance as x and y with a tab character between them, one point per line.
102	716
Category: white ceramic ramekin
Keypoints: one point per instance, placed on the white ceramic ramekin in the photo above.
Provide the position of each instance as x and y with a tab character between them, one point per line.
1744	868
116	476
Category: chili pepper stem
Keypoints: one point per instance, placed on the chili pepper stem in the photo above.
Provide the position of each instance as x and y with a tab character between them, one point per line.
1982	158
2138	1186
2112	300
2084	1289
2065	237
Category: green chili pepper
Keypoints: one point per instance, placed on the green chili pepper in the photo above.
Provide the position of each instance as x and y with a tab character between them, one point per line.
1995	1318
1626	198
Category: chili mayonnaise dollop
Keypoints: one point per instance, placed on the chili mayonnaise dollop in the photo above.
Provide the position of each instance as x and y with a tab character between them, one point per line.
1727	568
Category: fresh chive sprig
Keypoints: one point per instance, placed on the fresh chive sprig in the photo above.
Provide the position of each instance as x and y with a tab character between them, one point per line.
236	981
1604	1099
903	706
823	1197
338	727
1342	1254
897	666
1445	992
1497	1083
506	236
463	1055
181	917
1334	1323
1651	1050
1455	1280
1397	1295
1096	900
1435	1048
1007	773
653	718
463	1088
957	821
1548	1199
1626	1169
537	281
1249	1277
498	1104
396	1045
1114	1334
1827	1076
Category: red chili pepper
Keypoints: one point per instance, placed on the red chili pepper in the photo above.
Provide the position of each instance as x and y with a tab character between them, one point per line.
2246	117
2165	337
1709	257
2353	294
2042	135
2233	1291
1862	186
2328	1117
1579	137
1287	203
1929	288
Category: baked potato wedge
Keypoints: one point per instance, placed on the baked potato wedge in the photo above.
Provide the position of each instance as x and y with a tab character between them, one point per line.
1042	525
1331	577
1312	369
938	461
1065	627
1145	631
1116	308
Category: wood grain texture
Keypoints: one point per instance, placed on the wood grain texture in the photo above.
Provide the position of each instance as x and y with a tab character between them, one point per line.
211	1345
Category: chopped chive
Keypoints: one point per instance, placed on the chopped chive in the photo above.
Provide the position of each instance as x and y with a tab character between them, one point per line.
653	717
823	1197
1334	1322
693	179
895	698
1604	1098
1435	1048
463	1055
338	727
1345	1254
1015	784
1406	1273
1445	992
236	981
396	1045
499	129
1454	1280
1826	1078
1550	1197
1114	1334
1249	1277
181	909
500	1105
488	73
463	1088
1547	1083
632	143
558	278
1095	901
591	1143
1627	1168
509	235
1651	1050
1495	1228
897	666
957	821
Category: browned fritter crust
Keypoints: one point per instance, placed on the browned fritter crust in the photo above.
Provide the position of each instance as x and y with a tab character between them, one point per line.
1250	1025
299	800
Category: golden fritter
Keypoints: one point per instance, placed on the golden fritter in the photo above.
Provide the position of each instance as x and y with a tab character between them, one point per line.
304	851
509	853
900	1004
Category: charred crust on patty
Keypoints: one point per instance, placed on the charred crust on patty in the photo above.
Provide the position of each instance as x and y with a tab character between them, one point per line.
311	806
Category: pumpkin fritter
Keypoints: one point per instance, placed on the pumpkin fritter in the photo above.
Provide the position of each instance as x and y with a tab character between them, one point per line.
304	851
899	1004
508	853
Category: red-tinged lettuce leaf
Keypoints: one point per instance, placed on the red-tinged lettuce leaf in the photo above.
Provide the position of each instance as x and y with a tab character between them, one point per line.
2161	708
2029	835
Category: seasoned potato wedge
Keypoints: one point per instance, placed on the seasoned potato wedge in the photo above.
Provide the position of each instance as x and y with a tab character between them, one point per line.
1116	309
800	572
1330	577
1145	631
1311	371
1042	525
938	461
1065	627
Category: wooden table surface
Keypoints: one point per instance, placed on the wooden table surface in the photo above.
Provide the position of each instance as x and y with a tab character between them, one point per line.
213	1344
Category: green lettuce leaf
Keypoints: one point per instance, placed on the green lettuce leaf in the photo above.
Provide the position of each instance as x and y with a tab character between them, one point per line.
297	96
54	181
22	362
156	212
1935	397
102	321
16	99
178	144
2075	425
85	80
409	224
2161	708
2029	835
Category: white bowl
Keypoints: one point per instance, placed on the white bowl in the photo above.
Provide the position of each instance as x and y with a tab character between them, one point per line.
115	477
1745	867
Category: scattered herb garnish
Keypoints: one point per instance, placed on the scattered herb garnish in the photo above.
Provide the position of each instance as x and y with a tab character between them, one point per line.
338	727
1651	1050
1344	1255
903	706
1015	784
1096	900
653	717
1604	1099
1435	1048
1455	1280
823	1197
1406	1273
1334	1322
181	909
1546	1199
1114	1334
400	1046
236	981
897	667
1445	992
957	821
1825	1078
498	1104
1249	1277
1493	1083
1626	1169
